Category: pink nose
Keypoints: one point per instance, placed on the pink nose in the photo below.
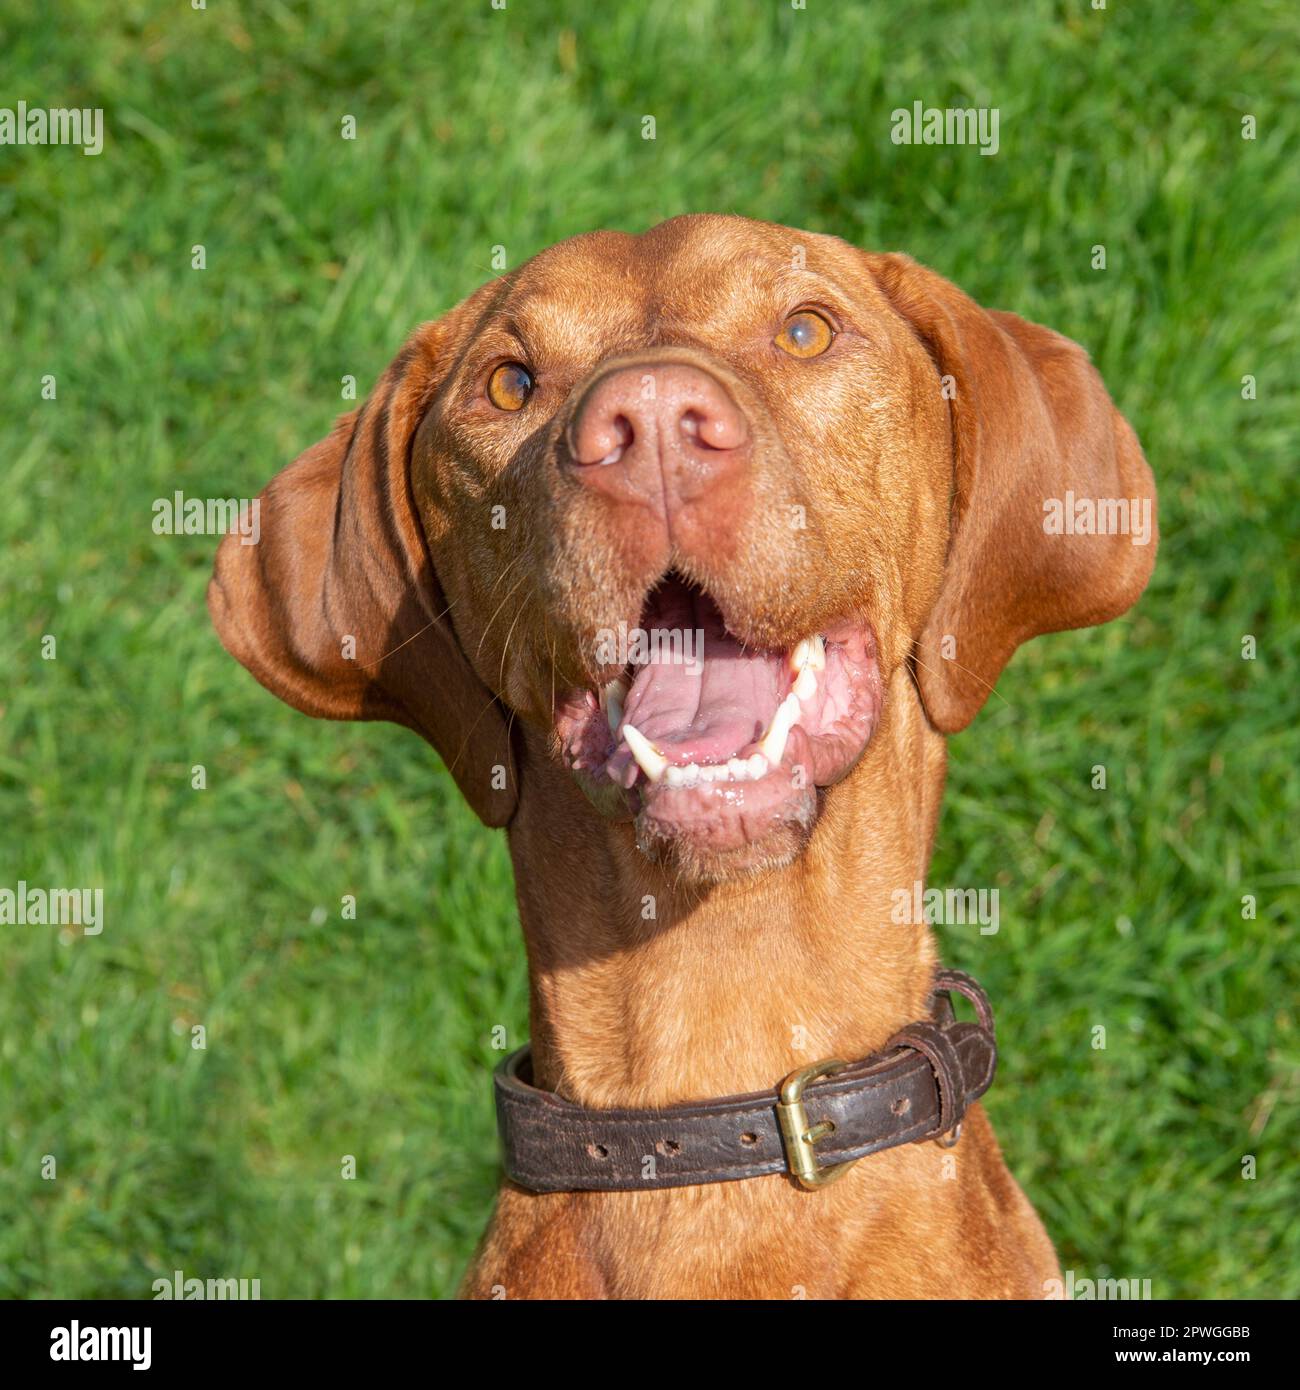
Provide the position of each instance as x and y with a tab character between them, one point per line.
669	436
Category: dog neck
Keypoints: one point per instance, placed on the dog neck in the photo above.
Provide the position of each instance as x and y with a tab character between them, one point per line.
645	991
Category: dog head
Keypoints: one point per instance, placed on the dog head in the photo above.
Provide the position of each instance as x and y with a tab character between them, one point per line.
686	501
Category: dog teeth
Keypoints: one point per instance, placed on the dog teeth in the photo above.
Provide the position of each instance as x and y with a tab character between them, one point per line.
773	743
648	758
808	657
611	701
806	660
768	755
733	770
810	651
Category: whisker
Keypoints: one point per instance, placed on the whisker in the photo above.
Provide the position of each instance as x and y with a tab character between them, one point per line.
488	629
992	689
455	762
505	646
432	623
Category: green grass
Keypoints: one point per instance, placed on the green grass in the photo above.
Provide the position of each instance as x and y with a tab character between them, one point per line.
373	1038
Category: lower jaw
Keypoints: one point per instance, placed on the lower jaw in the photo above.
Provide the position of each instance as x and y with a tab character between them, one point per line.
726	829
709	845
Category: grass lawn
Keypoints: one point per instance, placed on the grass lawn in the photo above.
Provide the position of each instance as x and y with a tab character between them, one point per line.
478	128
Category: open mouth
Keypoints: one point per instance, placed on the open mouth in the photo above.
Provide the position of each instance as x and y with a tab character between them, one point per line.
707	741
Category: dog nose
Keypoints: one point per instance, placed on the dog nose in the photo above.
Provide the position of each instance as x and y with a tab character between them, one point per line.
665	435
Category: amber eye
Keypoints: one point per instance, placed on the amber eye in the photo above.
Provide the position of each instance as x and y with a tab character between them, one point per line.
510	386
805	334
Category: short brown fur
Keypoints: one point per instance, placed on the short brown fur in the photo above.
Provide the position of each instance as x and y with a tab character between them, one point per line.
921	456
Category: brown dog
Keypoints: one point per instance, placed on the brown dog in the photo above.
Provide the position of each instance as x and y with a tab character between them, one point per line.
726	428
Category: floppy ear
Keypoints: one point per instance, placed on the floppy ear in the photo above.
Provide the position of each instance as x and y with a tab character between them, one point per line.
337	609
1032	425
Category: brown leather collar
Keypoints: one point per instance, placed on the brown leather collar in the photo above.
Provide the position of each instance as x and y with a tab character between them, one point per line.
917	1088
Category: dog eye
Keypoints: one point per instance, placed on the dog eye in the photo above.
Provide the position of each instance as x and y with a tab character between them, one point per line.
805	334
509	386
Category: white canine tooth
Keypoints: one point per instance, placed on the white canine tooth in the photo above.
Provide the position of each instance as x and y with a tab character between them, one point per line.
809	652
611	699
772	746
757	766
648	758
738	769
805	683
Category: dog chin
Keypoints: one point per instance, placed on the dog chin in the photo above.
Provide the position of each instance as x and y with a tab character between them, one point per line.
709	833
712	845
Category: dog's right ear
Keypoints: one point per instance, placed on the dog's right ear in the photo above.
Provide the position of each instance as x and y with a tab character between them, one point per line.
336	607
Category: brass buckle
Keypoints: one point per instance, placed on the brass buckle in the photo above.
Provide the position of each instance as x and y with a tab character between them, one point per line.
796	1134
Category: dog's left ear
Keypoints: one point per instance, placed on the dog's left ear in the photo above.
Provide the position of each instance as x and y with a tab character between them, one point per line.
1034	434
337	608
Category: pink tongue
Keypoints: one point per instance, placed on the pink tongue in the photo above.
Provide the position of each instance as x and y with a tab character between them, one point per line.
709	706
